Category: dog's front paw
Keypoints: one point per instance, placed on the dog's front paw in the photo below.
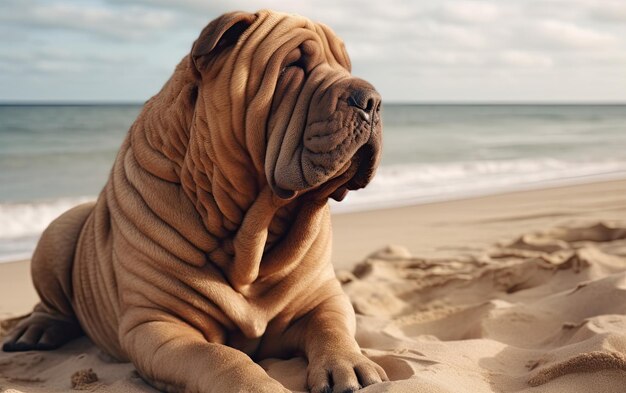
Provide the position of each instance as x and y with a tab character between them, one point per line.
342	373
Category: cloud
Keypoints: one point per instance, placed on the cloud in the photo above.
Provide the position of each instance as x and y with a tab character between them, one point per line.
471	11
525	59
571	35
608	11
54	60
407	48
598	10
126	23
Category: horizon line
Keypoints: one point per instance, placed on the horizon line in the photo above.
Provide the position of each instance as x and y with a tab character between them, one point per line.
393	103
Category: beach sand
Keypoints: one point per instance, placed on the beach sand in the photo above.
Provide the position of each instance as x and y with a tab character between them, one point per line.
519	292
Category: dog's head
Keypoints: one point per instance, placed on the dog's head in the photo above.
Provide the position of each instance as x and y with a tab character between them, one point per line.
283	85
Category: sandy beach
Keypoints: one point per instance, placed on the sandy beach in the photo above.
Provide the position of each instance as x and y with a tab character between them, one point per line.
518	292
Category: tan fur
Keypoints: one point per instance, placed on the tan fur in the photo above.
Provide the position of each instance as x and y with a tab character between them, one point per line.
190	263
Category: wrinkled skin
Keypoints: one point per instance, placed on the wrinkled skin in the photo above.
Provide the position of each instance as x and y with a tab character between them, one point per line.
210	244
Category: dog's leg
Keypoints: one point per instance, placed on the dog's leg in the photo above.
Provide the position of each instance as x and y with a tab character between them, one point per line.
174	357
53	322
41	331
335	360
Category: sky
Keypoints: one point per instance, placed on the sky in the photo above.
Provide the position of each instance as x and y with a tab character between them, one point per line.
411	50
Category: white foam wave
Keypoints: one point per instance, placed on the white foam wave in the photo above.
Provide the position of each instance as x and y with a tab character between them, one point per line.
27	219
406	184
21	224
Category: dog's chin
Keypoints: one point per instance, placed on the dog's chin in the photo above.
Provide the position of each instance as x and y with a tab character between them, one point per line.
362	168
340	193
355	174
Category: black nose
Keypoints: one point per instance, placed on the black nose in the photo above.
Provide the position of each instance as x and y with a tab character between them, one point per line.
366	101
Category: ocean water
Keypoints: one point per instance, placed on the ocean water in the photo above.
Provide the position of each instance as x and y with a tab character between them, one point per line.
54	157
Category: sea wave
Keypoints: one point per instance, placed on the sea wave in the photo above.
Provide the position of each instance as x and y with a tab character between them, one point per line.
406	184
23	223
394	185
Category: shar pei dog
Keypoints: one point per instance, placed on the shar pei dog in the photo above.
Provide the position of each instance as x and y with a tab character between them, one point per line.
209	246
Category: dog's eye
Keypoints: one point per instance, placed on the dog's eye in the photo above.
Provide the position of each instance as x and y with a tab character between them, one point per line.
295	59
299	63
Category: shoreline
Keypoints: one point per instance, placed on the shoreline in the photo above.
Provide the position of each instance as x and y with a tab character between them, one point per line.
339	210
441	228
435	229
493	191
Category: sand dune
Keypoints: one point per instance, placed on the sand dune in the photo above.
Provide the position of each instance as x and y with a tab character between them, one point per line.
544	313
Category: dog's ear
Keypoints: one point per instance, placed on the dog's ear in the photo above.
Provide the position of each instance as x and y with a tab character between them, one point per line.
219	35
